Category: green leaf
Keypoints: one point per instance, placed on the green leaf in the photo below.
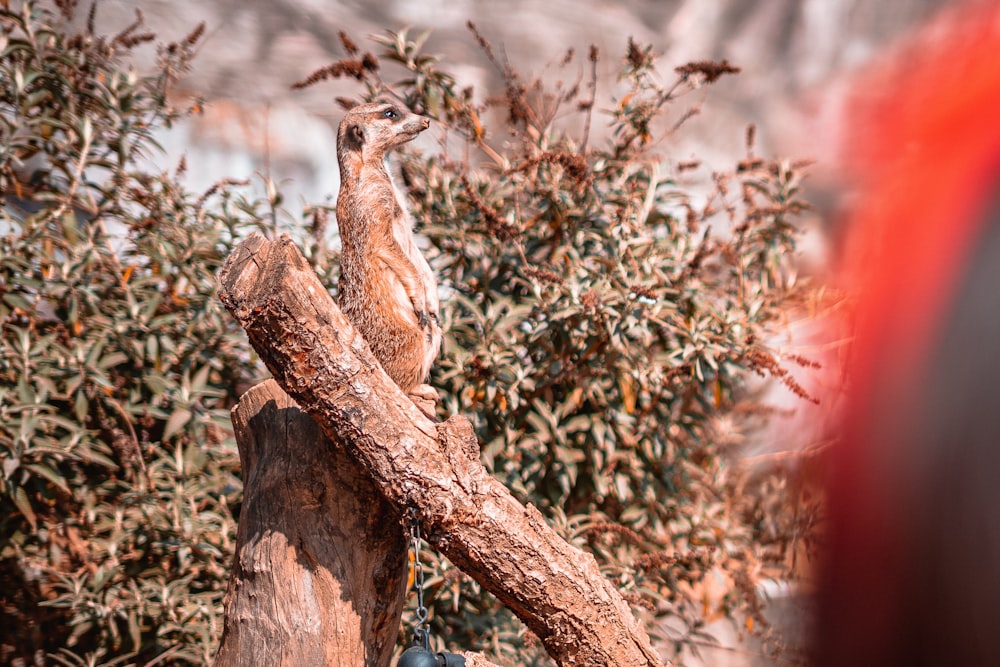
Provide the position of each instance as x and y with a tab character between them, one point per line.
22	503
10	466
16	300
81	406
176	422
112	359
49	474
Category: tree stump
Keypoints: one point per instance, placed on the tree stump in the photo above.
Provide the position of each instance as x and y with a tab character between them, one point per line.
320	569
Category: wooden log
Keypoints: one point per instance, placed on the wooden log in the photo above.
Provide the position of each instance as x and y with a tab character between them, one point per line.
314	353
320	569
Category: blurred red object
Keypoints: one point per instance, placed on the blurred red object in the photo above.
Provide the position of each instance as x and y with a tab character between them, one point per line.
912	572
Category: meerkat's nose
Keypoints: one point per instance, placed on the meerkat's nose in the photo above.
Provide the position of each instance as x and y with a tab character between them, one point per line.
426	122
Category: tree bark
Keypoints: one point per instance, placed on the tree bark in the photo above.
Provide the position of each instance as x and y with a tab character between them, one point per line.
320	566
315	354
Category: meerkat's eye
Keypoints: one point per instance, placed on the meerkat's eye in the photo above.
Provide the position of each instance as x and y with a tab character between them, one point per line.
390	113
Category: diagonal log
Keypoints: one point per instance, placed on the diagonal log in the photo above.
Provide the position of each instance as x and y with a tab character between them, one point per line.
317	357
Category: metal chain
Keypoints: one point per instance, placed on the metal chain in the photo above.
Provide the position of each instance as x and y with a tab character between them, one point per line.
422	634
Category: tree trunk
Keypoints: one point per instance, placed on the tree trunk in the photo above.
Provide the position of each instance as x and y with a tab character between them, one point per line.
314	353
320	566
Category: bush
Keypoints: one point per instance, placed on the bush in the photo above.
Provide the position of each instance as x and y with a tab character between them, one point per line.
117	362
605	311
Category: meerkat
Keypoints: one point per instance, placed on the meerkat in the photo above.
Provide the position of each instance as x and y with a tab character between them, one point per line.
386	287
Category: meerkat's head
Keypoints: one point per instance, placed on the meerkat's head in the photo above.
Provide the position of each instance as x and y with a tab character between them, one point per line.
371	130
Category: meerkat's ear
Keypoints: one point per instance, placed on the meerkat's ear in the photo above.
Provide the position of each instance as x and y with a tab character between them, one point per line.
354	138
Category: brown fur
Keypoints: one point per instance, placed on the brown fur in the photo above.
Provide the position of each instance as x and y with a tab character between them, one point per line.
386	287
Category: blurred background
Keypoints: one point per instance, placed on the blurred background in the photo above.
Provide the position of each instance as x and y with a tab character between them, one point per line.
796	58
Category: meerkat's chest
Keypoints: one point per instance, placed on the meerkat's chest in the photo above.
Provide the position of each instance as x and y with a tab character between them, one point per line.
402	231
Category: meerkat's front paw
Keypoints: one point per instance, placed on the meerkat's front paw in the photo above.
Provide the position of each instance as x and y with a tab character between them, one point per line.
420	309
428	320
